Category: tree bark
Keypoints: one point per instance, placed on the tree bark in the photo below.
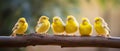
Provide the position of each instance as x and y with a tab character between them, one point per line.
63	41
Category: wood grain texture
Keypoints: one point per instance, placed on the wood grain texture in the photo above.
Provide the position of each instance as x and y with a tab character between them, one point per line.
63	41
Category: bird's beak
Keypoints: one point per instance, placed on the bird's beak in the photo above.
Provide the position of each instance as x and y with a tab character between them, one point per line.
55	20
22	21
84	20
96	20
69	19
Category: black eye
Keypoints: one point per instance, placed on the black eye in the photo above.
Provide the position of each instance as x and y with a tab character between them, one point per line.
21	21
70	19
56	19
44	18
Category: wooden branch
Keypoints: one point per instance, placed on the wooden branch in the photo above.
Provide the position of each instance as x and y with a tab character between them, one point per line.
63	41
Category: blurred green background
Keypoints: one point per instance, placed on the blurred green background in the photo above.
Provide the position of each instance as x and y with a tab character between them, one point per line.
12	10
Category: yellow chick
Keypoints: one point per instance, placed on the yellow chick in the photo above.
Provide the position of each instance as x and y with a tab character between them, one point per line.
43	25
85	28
58	26
20	27
101	27
71	25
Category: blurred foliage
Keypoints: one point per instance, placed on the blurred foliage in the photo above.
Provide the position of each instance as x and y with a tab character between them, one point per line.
11	10
103	3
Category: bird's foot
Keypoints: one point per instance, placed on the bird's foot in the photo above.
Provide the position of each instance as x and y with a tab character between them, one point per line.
63	34
85	35
46	33
107	36
71	35
13	35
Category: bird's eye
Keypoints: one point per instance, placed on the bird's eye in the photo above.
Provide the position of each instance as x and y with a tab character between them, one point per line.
84	20
69	18
21	21
44	18
98	20
56	19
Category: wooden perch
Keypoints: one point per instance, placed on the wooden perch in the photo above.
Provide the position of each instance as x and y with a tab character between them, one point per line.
64	41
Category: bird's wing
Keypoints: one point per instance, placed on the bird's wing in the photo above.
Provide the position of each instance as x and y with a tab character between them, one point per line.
63	23
106	27
76	23
38	25
16	26
52	26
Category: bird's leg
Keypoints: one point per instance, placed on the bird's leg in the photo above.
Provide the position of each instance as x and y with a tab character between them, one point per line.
35	32
63	34
99	35
23	34
46	33
104	35
86	35
108	35
73	35
13	35
56	34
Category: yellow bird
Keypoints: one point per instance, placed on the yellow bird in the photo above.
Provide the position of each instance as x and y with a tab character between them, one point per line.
101	27
71	25
58	26
85	28
43	25
20	27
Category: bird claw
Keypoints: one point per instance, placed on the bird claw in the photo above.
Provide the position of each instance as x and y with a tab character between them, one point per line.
105	36
85	35
12	35
45	33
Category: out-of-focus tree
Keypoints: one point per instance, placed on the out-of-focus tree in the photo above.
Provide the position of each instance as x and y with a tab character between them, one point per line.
11	10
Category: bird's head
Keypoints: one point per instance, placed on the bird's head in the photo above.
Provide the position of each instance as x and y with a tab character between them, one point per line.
43	18
70	18
98	20
85	21
56	19
23	20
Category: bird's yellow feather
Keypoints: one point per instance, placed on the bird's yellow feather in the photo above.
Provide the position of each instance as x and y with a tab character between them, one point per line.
20	27
101	27
43	25
71	25
58	26
85	28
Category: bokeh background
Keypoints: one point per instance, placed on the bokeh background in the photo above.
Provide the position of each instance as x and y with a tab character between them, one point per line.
12	10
